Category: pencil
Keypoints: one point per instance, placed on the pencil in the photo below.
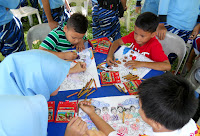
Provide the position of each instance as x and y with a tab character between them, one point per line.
89	90
81	91
117	88
123	117
77	107
72	94
107	84
121	88
85	98
90	83
90	93
95	84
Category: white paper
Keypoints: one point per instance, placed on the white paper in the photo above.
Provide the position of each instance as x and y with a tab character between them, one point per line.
133	124
79	80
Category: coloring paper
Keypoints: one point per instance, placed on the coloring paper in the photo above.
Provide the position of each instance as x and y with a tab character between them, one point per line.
110	110
79	80
127	54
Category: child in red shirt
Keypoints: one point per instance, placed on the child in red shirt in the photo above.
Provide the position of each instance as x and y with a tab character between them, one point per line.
143	40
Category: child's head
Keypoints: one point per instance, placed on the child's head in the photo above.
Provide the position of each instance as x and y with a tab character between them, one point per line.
167	101
76	28
145	27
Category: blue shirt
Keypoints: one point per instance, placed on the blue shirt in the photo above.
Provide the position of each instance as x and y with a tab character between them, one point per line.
181	15
53	3
6	15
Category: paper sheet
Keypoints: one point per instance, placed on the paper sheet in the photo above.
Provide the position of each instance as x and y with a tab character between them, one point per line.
125	52
110	110
79	80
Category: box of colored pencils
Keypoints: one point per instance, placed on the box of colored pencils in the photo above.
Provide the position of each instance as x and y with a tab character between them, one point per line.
132	86
65	111
110	77
101	45
51	110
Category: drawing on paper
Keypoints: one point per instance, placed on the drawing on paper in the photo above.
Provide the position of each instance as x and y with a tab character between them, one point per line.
79	80
110	109
125	54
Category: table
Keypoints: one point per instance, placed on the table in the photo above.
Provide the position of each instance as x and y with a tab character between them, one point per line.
58	129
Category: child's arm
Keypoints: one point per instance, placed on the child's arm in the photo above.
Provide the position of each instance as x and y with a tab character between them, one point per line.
52	24
161	31
162	66
124	4
76	127
98	121
63	55
195	31
113	48
80	46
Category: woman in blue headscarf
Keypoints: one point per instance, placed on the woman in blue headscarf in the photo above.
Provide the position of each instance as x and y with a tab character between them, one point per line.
28	116
34	72
23	115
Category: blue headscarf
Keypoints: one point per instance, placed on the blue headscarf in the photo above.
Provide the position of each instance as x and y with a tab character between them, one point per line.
23	115
32	72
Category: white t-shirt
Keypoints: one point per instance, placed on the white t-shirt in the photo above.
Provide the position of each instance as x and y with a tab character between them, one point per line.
188	130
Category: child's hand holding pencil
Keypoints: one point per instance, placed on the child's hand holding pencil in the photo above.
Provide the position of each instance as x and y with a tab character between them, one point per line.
79	67
87	107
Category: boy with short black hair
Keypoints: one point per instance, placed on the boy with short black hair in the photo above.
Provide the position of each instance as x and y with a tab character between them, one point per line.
62	38
167	104
143	40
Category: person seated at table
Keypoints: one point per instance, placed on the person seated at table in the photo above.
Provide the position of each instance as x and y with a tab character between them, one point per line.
28	116
167	104
34	72
71	35
143	40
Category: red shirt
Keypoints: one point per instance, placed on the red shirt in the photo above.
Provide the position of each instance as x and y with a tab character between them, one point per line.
152	49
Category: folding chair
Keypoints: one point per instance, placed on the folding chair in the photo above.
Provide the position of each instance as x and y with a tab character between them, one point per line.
174	44
79	8
191	75
37	32
26	11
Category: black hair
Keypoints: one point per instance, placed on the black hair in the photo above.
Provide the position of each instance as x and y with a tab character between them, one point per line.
120	107
169	100
113	108
147	21
78	22
97	109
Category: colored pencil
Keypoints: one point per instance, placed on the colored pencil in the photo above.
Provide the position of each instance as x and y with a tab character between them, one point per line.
117	88
121	89
90	93
72	94
90	83
95	84
81	91
123	117
107	84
